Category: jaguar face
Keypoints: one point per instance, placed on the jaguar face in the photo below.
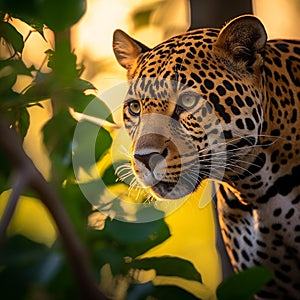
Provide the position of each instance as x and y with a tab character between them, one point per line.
175	134
193	107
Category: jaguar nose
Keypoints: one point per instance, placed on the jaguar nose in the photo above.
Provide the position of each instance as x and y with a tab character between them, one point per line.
151	159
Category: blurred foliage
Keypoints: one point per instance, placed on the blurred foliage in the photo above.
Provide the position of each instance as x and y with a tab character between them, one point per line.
31	270
244	284
141	17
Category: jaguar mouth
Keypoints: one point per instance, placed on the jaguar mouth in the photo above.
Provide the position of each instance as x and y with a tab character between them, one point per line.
166	169
163	189
175	190
163	183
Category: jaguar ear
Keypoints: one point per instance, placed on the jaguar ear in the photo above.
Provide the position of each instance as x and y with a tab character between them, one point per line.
242	39
126	49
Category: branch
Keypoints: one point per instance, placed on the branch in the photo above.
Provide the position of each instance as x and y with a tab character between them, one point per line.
30	176
19	183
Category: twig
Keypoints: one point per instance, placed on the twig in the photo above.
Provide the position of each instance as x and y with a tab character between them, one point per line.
80	117
22	164
19	183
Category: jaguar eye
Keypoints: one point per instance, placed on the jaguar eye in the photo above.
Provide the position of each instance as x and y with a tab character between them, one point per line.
134	108
188	100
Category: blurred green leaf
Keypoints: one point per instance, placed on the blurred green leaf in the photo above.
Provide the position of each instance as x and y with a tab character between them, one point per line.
245	284
63	64
122	239
58	133
168	266
137	238
56	137
11	36
19	120
24	264
12	100
114	256
62	287
142	18
76	205
9	70
140	291
134	233
83	85
109	176
103	142
26	11
59	15
97	108
18	66
36	92
90	105
23	122
36	24
91	143
14	6
163	292
8	78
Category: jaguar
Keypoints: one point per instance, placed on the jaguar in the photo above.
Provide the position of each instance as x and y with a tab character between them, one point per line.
223	105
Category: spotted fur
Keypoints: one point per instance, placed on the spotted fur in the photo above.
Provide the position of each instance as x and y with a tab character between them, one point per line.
224	105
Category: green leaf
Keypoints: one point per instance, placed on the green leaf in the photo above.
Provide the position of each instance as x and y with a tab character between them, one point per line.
59	15
18	66
142	18
23	122
33	22
27	11
58	133
103	142
90	143
109	176
11	36
168	266
140	291
25	263
163	292
19	120
114	256
245	284
93	106
76	205
41	88
63	64
137	238
63	286
11	100
133	233
8	78
83	85
9	70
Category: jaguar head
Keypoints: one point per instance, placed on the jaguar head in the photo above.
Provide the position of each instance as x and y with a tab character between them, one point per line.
192	102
